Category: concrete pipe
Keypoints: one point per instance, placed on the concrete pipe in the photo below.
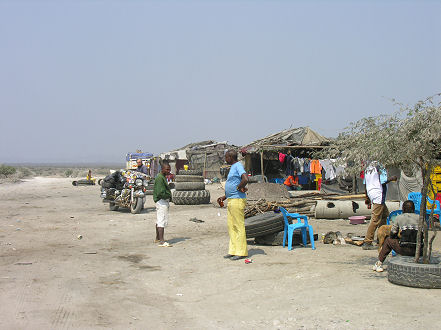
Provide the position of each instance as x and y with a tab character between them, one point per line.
332	209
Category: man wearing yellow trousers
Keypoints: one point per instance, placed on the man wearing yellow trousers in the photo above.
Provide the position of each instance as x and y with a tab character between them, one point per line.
235	192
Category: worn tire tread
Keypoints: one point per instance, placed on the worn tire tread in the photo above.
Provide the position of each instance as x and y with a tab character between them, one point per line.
402	270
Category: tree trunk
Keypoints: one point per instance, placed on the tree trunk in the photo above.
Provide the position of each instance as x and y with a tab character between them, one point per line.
426	233
423	209
426	177
430	243
431	217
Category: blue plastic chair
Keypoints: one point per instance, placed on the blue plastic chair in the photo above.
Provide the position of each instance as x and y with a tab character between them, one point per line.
416	197
289	228
392	215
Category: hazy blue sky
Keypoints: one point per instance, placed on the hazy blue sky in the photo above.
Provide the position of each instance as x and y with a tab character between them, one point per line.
88	81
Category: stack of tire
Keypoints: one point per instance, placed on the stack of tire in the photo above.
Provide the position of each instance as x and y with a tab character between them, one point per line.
190	189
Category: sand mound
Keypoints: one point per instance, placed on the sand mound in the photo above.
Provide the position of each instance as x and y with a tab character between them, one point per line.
268	191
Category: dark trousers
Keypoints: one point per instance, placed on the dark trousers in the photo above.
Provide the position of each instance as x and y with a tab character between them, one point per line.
394	244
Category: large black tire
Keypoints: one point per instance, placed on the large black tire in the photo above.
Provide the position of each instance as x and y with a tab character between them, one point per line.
85	182
100	181
194	197
136	206
263	224
277	238
190	172
189	178
189	186
113	207
403	270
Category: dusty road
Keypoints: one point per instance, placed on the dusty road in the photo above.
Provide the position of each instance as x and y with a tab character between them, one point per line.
115	277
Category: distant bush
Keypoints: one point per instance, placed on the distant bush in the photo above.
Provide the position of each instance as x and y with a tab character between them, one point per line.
25	172
68	173
7	170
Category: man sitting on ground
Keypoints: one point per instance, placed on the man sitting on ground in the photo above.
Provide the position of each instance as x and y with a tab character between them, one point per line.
407	223
292	182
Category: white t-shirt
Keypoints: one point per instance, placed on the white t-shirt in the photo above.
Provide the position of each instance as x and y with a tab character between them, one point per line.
373	186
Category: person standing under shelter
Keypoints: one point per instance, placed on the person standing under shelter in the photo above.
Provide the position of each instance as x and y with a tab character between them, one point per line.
235	192
407	223
376	181
162	196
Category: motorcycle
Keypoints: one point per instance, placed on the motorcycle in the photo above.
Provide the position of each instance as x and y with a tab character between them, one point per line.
125	189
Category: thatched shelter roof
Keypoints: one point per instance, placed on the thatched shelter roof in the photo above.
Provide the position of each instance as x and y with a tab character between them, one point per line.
303	137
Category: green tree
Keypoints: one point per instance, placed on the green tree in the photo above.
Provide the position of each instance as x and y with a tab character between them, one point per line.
408	139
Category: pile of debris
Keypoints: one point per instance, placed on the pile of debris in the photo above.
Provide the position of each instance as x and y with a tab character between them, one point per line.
299	205
266	197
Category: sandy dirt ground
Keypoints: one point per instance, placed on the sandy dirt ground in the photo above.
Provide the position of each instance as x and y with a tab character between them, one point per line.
116	277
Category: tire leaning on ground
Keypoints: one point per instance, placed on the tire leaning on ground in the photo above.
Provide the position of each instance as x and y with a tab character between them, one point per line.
263	224
188	186
194	197
85	182
189	178
276	239
190	172
136	206
403	270
113	207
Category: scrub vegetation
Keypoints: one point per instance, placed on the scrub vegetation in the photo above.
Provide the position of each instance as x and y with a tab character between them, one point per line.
409	139
6	170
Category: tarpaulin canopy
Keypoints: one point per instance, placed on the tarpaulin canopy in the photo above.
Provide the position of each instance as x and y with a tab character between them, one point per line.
136	155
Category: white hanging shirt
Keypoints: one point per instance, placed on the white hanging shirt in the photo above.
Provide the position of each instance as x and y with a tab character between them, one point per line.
373	186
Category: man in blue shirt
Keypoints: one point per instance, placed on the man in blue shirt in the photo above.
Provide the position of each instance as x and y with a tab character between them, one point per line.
235	192
141	167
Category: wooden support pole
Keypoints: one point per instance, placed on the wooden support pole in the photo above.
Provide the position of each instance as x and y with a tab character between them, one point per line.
261	163
205	165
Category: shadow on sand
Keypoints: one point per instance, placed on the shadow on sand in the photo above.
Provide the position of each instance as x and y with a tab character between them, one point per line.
177	240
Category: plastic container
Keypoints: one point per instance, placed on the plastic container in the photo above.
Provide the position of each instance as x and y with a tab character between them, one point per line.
357	220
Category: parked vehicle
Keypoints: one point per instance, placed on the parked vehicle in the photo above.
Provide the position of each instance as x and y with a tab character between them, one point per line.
126	189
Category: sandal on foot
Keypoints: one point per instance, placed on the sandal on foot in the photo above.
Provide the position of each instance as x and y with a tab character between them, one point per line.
165	244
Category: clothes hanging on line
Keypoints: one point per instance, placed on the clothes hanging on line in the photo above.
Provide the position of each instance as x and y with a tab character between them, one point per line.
282	157
296	165
315	167
289	165
329	169
306	166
